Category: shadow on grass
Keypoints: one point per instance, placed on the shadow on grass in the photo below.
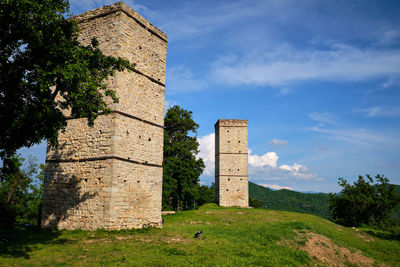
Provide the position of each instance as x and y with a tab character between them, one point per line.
18	243
385	235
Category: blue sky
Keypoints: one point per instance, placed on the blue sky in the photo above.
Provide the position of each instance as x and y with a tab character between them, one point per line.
319	82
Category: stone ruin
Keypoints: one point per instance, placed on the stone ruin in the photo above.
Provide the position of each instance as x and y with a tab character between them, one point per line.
110	175
231	163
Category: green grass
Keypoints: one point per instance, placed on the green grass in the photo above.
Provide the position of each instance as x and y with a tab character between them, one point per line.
231	237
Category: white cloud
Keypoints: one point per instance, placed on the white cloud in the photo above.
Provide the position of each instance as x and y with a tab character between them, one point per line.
299	171
287	64
268	159
276	187
261	168
295	168
277	142
207	153
374	112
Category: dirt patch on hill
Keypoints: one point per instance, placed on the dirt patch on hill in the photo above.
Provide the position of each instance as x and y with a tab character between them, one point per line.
321	248
322	251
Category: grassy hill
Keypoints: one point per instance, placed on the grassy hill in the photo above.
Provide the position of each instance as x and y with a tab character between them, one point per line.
311	203
231	237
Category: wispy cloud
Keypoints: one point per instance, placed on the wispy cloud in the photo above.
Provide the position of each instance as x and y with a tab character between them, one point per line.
285	91
287	64
181	79
277	142
195	19
324	117
389	37
387	84
359	136
377	111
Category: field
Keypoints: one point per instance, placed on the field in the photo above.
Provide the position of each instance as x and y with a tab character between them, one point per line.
231	237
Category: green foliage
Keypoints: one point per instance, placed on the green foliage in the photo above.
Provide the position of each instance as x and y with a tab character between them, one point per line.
181	167
396	213
20	192
44	70
364	202
255	203
316	204
205	195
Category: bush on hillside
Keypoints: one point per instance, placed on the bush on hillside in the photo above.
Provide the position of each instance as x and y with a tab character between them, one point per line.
255	203
364	202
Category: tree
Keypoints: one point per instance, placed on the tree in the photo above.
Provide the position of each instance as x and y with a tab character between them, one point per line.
205	195
20	192
181	167
255	203
44	70
364	202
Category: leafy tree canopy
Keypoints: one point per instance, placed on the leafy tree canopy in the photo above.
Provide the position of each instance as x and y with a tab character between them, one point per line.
255	203
44	70
364	202
21	192
205	195
181	167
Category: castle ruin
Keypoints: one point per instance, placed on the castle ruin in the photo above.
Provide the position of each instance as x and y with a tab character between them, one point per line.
231	163
110	175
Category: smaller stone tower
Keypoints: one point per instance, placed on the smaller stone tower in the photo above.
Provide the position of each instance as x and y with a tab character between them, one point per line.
231	163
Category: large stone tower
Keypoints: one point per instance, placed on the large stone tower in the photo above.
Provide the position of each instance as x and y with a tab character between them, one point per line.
110	175
231	163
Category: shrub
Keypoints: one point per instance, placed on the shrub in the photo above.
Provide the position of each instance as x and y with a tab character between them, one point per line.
255	203
364	202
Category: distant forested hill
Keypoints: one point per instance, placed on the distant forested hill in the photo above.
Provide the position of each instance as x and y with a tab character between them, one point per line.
316	204
396	213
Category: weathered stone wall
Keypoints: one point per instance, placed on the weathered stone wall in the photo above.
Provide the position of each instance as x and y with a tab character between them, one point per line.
231	163
110	175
